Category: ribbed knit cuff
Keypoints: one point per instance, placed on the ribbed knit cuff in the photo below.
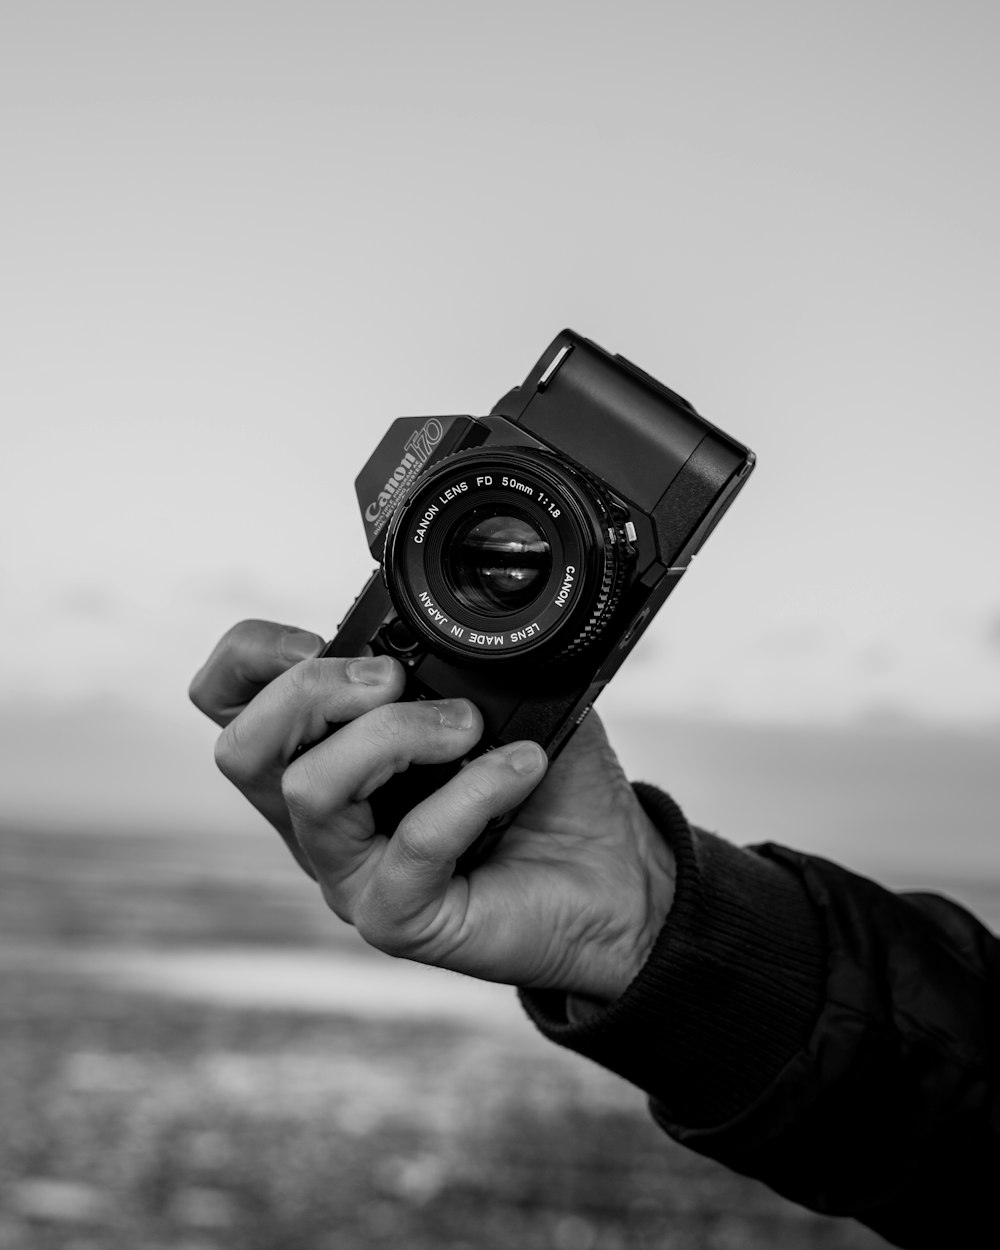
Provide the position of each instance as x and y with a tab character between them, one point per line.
729	992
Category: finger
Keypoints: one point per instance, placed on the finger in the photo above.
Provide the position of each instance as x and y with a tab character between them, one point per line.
300	707
417	868
245	659
325	789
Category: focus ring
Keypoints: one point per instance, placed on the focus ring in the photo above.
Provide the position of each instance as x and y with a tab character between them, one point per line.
613	579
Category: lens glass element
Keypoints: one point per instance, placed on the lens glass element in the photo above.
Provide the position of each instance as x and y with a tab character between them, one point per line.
497	563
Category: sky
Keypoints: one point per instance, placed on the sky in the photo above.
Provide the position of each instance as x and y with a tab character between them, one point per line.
238	239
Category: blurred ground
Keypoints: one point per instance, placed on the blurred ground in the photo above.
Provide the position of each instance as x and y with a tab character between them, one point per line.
137	1113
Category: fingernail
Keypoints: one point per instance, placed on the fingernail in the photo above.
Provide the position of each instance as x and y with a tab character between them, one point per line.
455	713
299	644
370	670
526	757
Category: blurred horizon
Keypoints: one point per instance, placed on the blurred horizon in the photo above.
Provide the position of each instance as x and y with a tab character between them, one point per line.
883	796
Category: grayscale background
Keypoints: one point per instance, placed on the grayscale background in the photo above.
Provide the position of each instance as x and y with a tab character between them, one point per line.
236	240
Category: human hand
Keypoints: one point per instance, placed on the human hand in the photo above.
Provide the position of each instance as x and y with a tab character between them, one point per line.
571	898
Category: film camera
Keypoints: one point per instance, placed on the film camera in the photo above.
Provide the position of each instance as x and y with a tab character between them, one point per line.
523	554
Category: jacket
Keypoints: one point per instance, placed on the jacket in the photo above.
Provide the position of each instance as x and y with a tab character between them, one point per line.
805	1026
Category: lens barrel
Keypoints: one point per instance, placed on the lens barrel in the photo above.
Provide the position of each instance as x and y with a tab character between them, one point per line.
504	553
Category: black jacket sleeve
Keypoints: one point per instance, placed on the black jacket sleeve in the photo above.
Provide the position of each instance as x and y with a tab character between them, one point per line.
807	1027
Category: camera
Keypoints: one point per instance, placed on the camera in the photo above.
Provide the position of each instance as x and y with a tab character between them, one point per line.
522	554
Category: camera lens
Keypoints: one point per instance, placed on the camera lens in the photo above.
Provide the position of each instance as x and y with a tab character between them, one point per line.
497	563
505	553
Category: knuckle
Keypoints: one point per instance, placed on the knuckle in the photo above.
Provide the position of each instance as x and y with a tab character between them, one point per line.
308	678
387	725
412	841
337	902
481	785
229	655
246	631
299	793
373	925
197	692
388	943
230	754
242	639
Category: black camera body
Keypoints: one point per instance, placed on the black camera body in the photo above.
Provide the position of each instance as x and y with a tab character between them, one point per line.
523	554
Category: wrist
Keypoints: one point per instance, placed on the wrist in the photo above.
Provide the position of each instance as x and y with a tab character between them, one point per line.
728	995
659	878
618	963
579	1007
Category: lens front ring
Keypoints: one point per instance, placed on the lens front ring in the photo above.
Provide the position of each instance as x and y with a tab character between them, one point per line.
502	553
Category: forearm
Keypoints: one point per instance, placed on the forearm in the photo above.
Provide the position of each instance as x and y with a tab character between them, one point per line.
729	993
807	1027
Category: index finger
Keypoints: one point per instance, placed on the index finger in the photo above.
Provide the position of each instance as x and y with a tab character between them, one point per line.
246	659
